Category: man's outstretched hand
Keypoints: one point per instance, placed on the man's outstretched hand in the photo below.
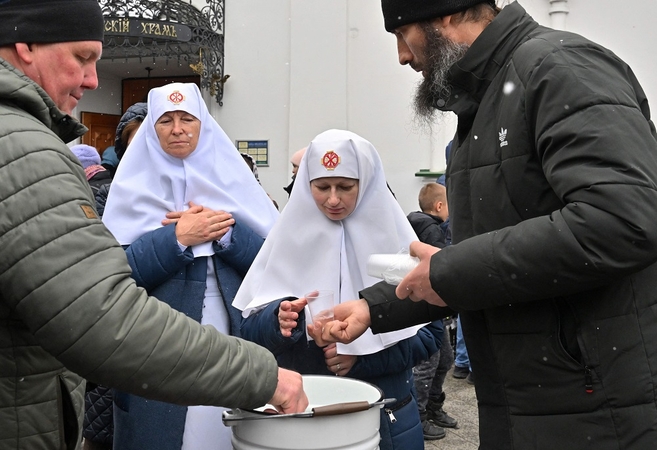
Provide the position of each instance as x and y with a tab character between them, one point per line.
352	319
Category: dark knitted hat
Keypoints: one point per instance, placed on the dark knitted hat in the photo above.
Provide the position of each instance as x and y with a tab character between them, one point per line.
136	112
397	13
50	21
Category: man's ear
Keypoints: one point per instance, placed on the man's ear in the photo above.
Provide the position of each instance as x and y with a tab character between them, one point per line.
441	22
24	52
438	206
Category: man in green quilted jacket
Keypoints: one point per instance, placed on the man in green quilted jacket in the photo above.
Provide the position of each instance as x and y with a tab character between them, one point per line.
69	310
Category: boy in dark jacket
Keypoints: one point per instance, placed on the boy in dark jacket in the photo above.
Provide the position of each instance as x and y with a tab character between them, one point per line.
432	227
432	223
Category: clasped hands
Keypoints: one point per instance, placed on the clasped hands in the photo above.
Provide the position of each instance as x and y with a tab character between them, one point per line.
199	224
288	316
352	318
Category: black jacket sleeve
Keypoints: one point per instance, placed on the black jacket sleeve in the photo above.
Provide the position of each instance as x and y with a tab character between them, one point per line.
389	313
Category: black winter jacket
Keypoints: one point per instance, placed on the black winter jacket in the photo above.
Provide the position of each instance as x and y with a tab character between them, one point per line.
430	229
552	186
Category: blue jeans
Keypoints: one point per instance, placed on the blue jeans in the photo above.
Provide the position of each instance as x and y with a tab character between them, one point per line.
461	358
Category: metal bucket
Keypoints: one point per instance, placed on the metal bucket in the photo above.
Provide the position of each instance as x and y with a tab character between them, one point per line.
313	430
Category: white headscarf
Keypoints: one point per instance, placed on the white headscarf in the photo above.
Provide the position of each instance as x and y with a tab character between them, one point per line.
149	182
306	250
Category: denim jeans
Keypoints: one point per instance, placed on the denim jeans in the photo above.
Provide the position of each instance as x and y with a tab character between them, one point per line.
461	359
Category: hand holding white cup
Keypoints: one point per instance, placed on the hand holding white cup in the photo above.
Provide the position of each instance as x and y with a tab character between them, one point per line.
391	267
320	305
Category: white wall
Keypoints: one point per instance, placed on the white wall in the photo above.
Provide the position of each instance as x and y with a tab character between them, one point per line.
327	64
257	95
299	67
626	27
330	63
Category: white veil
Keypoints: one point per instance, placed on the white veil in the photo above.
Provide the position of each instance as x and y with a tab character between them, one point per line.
149	183
306	250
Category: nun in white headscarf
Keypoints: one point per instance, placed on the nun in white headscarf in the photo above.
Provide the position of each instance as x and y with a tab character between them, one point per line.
192	218
321	244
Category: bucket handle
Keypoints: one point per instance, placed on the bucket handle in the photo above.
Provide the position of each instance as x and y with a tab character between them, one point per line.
327	410
341	408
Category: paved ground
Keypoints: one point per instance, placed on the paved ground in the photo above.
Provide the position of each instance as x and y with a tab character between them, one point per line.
461	404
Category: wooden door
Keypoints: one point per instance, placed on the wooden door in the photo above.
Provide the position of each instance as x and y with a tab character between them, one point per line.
102	129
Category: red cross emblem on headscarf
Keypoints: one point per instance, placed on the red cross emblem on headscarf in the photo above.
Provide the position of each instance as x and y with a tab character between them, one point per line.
330	160
176	97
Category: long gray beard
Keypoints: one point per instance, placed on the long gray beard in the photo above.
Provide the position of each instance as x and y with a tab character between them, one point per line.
441	54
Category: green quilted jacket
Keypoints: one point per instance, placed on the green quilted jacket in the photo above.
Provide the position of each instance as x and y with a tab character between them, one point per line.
69	310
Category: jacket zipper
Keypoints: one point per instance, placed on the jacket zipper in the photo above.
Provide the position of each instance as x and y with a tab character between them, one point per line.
588	380
588	377
400	404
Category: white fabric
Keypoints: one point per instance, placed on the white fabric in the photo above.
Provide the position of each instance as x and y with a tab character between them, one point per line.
204	428
149	183
306	251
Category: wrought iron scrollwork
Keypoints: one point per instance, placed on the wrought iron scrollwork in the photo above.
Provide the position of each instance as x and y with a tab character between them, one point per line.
171	29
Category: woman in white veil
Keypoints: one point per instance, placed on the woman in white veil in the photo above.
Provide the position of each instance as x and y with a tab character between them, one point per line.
192	217
339	212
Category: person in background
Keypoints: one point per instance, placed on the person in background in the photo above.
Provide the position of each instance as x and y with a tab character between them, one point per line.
431	224
109	160
98	430
192	218
69	310
98	425
552	191
125	131
89	157
448	151
128	125
340	212
250	161
295	161
462	369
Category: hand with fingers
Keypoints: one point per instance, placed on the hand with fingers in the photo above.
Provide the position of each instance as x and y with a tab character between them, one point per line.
198	224
289	396
288	315
417	284
352	320
338	364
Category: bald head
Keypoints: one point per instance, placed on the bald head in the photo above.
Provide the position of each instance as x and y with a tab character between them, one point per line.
296	159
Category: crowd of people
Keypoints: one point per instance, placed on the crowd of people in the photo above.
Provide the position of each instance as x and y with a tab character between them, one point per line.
146	292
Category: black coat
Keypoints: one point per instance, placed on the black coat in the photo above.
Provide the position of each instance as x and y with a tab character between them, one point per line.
552	185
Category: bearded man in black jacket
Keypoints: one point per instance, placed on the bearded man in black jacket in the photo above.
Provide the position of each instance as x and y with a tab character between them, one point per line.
552	185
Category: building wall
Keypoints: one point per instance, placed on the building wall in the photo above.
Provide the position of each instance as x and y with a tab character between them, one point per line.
299	67
337	68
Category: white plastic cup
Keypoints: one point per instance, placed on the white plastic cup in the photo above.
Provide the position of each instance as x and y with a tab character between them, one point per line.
320	305
391	267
